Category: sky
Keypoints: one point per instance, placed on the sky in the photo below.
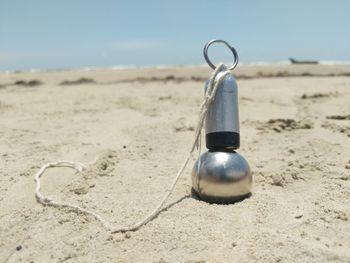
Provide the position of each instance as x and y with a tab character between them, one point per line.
42	34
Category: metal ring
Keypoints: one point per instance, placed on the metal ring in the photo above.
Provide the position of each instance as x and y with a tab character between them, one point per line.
234	52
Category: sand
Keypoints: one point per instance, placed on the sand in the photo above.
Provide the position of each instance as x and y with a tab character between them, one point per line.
295	130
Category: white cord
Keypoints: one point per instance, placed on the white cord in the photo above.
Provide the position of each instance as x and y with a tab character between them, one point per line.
79	167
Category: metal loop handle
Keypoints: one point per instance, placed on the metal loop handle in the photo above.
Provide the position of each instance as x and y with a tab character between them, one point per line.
234	52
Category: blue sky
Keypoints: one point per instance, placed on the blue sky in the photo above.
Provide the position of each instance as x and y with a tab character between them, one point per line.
80	33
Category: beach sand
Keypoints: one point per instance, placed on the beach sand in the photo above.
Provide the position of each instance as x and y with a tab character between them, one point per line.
138	123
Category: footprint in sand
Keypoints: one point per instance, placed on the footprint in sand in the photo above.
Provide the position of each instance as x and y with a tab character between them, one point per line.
104	165
339	117
279	125
23	83
334	126
315	97
337	128
77	82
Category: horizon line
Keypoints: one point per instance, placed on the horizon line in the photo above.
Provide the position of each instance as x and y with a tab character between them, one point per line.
159	66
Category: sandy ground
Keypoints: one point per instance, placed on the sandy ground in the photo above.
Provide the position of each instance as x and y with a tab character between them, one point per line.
295	128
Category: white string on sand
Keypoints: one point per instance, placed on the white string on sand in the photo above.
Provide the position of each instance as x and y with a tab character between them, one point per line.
213	85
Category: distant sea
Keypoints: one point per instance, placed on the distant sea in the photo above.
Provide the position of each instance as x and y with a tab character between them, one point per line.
121	67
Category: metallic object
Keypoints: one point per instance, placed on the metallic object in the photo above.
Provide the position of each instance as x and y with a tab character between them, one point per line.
221	175
222	123
234	52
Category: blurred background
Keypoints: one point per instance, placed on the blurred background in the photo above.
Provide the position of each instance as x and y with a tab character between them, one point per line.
41	34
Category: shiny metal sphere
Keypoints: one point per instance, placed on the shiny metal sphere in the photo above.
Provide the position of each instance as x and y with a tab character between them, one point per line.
221	177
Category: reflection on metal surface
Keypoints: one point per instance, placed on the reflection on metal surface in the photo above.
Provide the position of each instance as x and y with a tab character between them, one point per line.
221	175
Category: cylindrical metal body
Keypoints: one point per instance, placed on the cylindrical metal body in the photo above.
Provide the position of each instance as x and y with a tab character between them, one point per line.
222	123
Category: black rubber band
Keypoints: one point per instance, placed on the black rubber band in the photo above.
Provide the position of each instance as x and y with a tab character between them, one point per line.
222	140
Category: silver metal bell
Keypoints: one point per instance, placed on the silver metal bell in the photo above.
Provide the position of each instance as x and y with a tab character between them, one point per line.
221	175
